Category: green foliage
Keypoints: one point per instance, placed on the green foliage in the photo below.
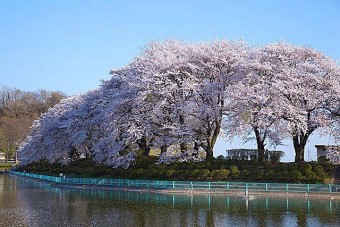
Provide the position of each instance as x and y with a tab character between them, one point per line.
6	166
220	174
203	174
170	173
305	168
282	176
224	173
245	174
296	176
319	171
217	169
194	173
234	172
270	175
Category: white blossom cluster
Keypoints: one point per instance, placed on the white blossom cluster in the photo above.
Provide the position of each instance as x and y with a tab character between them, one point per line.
333	154
178	93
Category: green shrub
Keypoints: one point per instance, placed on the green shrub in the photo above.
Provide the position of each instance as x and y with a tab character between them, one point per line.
139	172
311	176
203	174
5	165
224	173
234	172
170	173
293	166
152	173
257	174
319	171
270	175
194	173
282	176
266	164
215	174
245	174
295	176
305	167
281	167
184	173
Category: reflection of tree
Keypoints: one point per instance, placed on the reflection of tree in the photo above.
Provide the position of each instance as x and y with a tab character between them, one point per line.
41	204
302	218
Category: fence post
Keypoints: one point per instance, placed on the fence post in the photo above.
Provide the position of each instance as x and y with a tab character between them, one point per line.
173	184
209	185
330	188
286	187
307	187
227	185
266	186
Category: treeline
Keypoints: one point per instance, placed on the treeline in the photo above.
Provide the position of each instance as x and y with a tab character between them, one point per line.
179	97
18	109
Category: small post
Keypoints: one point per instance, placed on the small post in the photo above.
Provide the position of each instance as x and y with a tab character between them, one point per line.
227	185
173	184
307	187
209	185
330	188
246	192
286	187
266	186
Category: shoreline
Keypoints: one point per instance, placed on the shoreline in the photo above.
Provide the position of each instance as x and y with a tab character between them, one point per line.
239	193
246	192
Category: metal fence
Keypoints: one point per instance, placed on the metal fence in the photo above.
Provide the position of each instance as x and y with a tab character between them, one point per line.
189	185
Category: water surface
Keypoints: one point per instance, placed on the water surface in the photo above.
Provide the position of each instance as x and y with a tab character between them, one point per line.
28	202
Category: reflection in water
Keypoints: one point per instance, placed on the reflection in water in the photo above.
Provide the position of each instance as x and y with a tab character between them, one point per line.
28	202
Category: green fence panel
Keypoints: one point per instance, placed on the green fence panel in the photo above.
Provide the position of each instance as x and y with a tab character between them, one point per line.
186	185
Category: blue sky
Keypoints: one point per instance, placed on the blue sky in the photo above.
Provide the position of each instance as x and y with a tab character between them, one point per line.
71	45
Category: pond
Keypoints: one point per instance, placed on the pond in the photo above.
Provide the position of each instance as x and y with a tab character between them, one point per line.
28	202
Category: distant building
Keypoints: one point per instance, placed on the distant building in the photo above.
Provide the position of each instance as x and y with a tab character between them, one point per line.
322	150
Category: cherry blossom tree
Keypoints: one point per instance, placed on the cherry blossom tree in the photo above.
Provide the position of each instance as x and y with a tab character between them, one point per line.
253	104
188	83
333	154
302	75
176	96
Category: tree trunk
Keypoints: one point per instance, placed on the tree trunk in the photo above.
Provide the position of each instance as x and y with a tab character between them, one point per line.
260	144
163	148
299	142
183	147
196	147
209	150
212	140
143	146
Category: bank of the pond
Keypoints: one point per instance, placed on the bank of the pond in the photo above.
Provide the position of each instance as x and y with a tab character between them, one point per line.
192	187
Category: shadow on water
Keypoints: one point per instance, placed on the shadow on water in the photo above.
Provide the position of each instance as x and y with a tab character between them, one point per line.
28	202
